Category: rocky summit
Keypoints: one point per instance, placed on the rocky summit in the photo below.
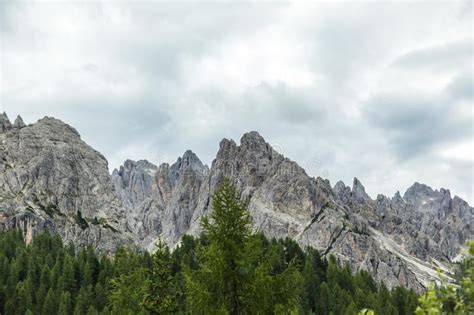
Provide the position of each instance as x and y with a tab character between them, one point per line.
50	179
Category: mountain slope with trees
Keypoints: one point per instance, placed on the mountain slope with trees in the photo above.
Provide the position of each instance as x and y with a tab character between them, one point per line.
51	180
227	270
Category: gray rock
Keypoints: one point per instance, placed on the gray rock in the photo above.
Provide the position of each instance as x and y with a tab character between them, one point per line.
342	191
387	237
160	200
18	124
5	123
358	191
48	175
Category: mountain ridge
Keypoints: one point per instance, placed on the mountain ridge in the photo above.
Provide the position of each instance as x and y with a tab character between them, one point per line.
258	162
400	240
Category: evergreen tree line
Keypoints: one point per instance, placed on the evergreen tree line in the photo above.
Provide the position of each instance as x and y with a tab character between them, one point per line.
227	270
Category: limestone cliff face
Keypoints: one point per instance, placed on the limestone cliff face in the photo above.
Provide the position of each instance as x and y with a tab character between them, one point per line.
160	200
425	229
390	237
50	179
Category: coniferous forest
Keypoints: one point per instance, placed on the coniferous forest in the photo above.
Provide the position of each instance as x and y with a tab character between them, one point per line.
227	270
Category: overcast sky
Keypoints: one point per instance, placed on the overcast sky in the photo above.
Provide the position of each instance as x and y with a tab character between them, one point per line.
383	92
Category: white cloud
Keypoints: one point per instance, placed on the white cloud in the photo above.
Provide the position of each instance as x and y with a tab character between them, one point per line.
381	91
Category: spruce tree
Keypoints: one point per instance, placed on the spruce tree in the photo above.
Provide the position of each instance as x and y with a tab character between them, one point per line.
67	281
82	302
218	283
160	296
234	273
50	303
65	304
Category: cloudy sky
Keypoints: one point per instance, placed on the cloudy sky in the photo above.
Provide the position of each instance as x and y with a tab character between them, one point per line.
383	92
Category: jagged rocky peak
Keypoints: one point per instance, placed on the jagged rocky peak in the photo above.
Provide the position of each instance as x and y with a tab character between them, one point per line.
342	191
19	123
422	196
134	181
251	144
47	173
251	162
417	191
140	164
56	126
5	123
51	176
340	187
358	191
226	147
397	200
130	167
253	140
190	160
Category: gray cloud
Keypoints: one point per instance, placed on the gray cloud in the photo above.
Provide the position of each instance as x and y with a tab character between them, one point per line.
446	57
462	86
381	91
416	124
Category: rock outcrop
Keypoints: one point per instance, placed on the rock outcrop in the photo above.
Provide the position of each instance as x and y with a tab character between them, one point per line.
18	124
159	200
50	179
5	123
389	237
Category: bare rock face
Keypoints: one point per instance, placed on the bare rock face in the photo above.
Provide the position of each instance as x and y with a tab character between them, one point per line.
19	123
386	236
431	225
50	179
160	200
5	123
426	228
285	202
358	191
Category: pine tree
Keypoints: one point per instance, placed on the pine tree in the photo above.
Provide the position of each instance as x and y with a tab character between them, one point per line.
92	311
265	277
50	303
160	296
127	287
65	304
323	306
233	274
218	284
67	281
311	282
25	298
42	291
351	309
100	297
81	302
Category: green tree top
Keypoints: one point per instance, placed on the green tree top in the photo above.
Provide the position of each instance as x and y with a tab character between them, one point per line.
228	226
448	298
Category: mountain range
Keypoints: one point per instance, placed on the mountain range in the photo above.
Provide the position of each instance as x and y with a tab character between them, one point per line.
52	180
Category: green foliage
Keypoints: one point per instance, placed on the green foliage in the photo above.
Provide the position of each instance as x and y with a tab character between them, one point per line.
128	286
65	304
80	220
227	270
235	273
160	296
452	298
